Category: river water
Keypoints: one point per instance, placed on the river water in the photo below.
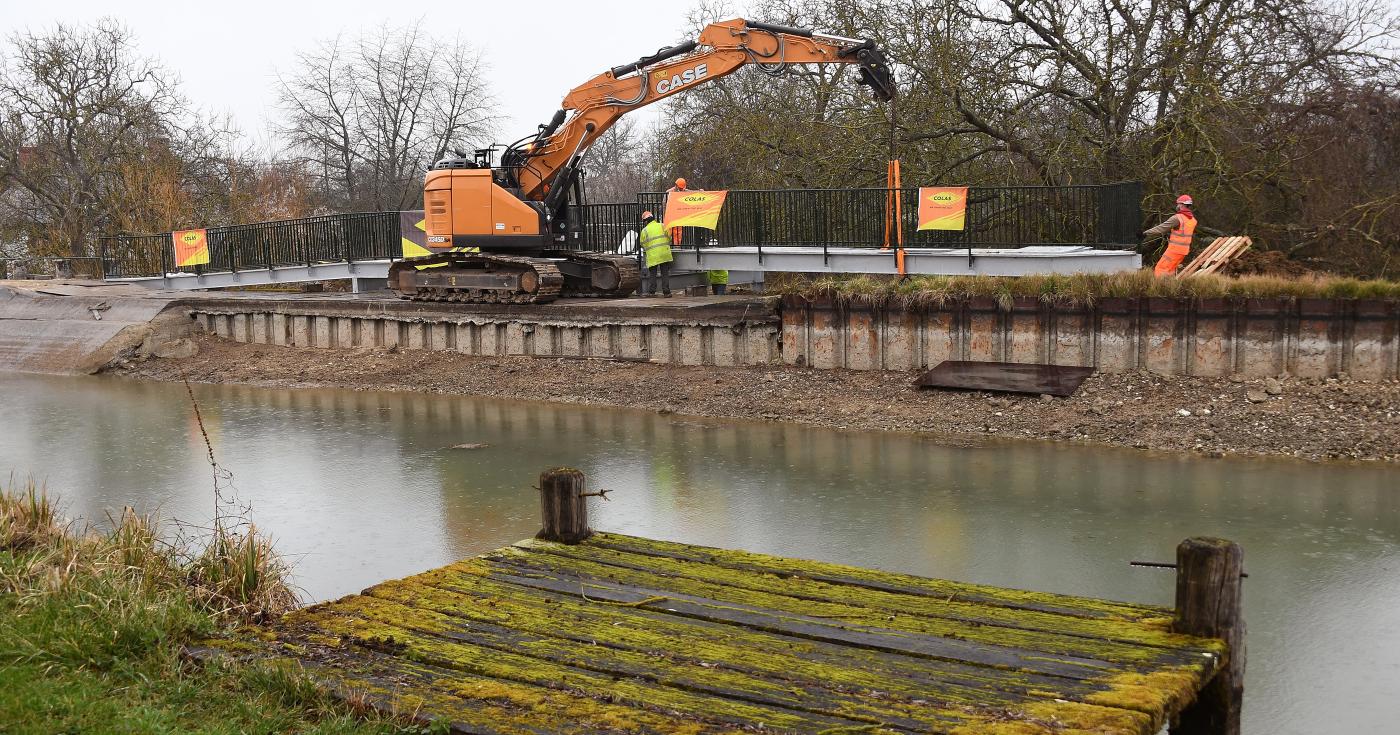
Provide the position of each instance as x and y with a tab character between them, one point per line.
359	487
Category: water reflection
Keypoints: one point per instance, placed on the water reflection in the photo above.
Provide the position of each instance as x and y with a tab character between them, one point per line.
360	487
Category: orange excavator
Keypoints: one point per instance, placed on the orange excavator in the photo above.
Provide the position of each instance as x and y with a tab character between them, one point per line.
502	233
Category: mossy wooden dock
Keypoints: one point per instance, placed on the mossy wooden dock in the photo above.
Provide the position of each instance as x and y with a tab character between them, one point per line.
618	634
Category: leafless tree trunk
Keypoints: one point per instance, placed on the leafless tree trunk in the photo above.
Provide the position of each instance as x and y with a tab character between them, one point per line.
619	164
370	114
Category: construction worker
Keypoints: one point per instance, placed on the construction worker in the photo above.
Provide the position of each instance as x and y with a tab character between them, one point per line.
676	231
718	280
656	244
1181	227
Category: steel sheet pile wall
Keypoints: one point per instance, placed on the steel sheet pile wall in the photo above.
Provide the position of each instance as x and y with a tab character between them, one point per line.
722	340
1209	337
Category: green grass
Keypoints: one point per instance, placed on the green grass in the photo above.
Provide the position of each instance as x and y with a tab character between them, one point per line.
92	624
1077	290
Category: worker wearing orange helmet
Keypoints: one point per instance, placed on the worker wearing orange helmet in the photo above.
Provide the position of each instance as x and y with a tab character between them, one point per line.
718	279
1179	229
676	231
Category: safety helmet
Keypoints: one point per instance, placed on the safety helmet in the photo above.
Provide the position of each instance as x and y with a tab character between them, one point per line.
647	214
680	183
1184	201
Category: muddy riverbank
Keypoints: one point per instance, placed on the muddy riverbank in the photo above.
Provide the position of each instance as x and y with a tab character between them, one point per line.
1313	419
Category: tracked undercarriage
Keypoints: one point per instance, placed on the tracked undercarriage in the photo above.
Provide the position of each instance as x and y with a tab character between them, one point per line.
490	278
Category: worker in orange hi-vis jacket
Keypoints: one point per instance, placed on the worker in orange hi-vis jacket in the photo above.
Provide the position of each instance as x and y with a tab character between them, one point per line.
676	231
1179	228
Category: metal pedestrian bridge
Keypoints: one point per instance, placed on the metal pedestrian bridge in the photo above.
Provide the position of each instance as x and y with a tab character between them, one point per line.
1009	231
372	274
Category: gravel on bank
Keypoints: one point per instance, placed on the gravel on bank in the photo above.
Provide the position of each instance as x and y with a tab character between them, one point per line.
1313	419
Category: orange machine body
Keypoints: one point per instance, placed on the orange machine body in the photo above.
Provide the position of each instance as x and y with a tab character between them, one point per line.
464	207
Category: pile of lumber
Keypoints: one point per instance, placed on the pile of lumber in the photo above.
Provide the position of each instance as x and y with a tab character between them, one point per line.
1214	257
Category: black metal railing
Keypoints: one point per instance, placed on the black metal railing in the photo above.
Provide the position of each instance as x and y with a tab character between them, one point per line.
51	266
996	217
335	238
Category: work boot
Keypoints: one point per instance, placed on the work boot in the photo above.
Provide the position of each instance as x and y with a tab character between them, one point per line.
668	294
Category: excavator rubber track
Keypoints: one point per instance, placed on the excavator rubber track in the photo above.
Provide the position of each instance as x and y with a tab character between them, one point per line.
625	272
476	278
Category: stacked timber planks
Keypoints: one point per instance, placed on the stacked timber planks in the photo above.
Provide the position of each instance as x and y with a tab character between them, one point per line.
1217	255
627	635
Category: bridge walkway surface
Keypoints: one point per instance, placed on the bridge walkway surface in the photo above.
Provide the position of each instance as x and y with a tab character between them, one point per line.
749	261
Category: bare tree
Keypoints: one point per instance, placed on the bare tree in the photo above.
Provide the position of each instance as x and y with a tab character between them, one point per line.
619	164
79	109
370	114
1264	109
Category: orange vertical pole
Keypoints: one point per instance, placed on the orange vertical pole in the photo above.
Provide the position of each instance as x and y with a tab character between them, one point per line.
898	219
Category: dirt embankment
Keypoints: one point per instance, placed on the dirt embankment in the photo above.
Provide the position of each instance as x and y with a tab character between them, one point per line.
1311	419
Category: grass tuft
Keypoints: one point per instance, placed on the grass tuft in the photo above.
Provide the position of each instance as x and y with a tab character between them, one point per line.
1079	290
92	622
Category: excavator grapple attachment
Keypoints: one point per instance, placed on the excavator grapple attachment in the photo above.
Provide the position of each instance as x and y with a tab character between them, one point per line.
874	70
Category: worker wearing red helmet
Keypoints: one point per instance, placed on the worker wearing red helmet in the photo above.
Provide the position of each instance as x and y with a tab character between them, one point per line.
1179	229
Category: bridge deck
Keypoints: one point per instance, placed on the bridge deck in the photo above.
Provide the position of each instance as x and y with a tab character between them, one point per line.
924	261
628	635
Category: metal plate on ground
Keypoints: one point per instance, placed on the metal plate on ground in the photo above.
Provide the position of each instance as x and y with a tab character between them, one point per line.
1010	377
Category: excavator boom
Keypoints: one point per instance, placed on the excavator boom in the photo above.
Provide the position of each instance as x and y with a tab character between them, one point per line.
499	234
721	49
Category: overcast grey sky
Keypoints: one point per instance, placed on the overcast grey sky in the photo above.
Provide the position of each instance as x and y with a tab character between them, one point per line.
228	53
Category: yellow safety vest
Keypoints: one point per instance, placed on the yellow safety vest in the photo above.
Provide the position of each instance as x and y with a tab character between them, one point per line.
718	277
657	244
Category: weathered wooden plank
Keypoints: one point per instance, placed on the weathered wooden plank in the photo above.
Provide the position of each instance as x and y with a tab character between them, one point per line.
580	569
703	645
626	635
1153	633
1157	690
388	637
660	667
482	705
849	634
887	581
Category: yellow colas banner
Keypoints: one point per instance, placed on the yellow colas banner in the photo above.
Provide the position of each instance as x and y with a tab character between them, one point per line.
191	247
942	207
693	208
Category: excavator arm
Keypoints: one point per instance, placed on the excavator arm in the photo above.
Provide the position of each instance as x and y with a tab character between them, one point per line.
500	235
544	164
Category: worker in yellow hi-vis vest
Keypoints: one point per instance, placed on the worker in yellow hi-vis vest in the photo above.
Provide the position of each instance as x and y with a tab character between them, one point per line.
719	281
656	244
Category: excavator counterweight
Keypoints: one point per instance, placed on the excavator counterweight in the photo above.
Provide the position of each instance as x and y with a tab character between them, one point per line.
503	234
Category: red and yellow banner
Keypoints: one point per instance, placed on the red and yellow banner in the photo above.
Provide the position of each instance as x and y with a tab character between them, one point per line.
942	207
693	208
191	247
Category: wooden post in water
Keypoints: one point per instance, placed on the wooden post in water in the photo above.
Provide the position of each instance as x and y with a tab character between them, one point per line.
562	506
1208	603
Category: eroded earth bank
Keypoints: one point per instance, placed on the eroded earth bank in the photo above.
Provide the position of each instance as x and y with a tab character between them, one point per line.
1313	419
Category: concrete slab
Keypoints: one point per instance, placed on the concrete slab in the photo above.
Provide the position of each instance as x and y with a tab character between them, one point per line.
74	327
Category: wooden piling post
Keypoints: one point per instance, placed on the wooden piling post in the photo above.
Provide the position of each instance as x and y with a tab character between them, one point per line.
1208	603
563	509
